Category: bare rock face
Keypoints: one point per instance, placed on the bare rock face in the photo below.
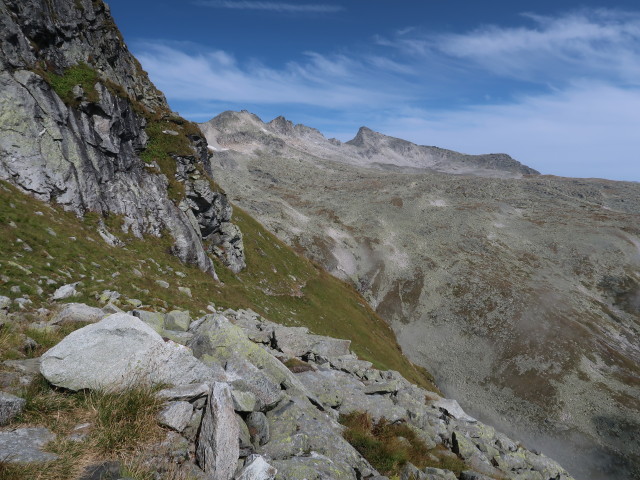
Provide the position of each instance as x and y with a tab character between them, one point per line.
84	152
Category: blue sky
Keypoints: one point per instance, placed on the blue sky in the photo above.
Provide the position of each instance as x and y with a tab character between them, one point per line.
554	84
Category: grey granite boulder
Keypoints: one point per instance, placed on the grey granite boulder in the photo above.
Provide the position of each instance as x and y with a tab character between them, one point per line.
24	445
10	406
217	450
296	342
77	312
117	352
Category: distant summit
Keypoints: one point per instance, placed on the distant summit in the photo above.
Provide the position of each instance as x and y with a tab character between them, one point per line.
244	131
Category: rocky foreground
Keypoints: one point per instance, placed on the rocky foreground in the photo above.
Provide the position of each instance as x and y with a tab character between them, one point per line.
250	399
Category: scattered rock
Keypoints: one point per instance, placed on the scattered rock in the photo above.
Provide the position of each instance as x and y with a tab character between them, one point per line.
65	291
256	468
10	406
162	283
24	445
5	303
177	320
77	312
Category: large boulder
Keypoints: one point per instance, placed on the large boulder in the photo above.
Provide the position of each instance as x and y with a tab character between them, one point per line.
117	352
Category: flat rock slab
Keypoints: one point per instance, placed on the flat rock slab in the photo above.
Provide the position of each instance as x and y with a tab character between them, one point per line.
176	415
78	312
24	445
119	351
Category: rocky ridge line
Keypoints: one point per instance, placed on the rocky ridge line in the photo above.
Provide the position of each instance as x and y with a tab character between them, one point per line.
234	410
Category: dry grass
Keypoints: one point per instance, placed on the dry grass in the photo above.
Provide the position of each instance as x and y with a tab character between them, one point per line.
121	424
389	446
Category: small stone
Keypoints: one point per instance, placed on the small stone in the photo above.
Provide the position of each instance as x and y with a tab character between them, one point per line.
65	291
162	283
134	302
15	289
5	303
185	290
51	232
10	406
176	415
137	273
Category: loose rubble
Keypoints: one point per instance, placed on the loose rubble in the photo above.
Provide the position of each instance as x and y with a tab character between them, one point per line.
236	411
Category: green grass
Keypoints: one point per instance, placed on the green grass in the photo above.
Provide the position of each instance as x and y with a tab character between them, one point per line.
81	74
277	283
389	446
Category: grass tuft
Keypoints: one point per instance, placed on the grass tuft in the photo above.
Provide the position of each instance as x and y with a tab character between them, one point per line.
389	446
124	419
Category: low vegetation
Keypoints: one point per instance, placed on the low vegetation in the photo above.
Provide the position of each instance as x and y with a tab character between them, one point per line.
118	424
82	75
389	446
45	247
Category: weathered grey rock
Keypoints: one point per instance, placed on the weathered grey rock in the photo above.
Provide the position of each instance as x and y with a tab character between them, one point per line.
257	468
381	388
439	474
154	319
10	406
243	401
5	303
24	445
411	472
176	415
471	475
77	312
313	467
118	351
246	377
185	392
217	450
177	320
65	291
296	342
453	408
350	364
218	341
258	428
463	446
244	437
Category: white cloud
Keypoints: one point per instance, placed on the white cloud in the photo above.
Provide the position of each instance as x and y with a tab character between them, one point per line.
586	130
322	81
580	119
270	6
600	43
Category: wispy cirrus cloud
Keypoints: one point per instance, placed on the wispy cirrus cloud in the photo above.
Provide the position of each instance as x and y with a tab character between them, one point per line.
270	6
553	92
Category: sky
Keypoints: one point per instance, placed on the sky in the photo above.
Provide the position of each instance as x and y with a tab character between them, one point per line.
555	84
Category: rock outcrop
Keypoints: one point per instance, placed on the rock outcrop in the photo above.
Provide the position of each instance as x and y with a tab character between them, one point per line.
78	113
295	434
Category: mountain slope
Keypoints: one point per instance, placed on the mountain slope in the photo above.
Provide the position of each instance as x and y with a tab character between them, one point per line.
520	294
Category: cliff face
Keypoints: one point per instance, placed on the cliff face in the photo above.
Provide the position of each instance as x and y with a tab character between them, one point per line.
82	125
